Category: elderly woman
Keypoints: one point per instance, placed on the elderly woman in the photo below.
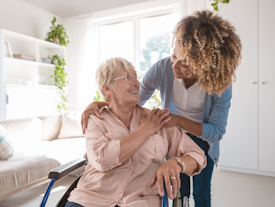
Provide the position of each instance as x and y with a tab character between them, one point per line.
128	145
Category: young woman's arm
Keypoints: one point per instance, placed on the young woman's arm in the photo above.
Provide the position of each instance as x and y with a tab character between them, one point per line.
186	124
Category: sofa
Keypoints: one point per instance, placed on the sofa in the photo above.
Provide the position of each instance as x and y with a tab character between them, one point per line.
39	145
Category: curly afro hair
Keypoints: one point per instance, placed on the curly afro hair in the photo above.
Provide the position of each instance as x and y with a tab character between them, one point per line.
211	49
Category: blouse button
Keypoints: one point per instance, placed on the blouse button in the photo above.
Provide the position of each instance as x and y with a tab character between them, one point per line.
118	197
132	168
125	180
97	160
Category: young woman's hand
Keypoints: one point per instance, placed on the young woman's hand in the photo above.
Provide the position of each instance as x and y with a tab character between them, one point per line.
173	121
154	121
92	109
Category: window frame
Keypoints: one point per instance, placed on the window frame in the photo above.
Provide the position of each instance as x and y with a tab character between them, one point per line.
142	14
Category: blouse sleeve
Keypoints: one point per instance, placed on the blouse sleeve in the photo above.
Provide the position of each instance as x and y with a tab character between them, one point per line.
102	153
181	144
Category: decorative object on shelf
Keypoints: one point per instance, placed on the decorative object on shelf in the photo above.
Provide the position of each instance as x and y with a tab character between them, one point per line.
46	60
217	4
6	54
41	80
57	34
24	57
8	45
60	81
21	81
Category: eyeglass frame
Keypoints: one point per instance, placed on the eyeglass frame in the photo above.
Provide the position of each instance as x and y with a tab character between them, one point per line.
127	79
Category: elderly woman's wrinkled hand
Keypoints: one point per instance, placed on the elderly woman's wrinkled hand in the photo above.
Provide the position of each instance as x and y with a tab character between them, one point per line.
169	172
155	120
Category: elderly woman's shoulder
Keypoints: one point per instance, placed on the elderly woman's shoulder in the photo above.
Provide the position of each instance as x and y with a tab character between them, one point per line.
103	112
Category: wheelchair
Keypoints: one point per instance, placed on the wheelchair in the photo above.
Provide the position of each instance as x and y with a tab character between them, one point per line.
64	170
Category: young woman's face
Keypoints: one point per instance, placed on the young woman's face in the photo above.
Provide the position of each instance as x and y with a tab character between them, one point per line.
180	69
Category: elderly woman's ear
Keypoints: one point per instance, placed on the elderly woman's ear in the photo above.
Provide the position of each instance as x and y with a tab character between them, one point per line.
107	90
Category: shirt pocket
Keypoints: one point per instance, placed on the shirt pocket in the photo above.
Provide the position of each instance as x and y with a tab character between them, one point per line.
117	135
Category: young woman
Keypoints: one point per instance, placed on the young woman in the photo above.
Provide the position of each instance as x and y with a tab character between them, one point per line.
195	85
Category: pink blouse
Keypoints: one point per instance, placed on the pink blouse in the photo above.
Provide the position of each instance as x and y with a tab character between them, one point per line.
107	182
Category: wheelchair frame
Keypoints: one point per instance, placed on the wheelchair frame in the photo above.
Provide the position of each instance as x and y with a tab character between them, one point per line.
66	169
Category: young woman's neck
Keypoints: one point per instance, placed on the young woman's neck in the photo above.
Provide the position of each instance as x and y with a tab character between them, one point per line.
123	111
189	82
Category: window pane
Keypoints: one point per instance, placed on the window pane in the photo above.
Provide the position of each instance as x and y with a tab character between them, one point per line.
155	39
116	40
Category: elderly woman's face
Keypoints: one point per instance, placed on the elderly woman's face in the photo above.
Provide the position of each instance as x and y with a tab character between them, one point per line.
126	87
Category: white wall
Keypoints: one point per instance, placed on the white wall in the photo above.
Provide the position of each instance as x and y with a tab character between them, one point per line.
24	18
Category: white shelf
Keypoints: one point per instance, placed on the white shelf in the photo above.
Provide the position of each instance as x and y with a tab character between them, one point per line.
46	65
21	61
26	100
50	45
25	38
31	86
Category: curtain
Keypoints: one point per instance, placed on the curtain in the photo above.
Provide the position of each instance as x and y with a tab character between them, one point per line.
81	62
86	62
187	7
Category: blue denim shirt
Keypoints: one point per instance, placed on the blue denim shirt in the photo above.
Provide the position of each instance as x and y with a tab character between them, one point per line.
215	113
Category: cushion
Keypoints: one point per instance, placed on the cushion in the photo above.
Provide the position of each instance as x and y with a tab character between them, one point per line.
71	125
51	127
6	147
25	132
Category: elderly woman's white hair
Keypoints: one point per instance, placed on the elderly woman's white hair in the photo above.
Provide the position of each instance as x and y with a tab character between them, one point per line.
108	70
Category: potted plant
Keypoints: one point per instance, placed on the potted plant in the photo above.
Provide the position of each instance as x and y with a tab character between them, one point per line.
60	81
217	4
57	34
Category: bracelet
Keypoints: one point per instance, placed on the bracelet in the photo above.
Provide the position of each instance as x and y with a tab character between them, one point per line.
181	163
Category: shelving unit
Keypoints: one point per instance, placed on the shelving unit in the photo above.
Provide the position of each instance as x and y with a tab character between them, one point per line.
20	94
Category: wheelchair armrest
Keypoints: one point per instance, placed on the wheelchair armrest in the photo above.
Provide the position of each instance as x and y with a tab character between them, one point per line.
67	168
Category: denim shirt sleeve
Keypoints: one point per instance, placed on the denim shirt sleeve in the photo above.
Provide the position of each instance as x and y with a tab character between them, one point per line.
214	129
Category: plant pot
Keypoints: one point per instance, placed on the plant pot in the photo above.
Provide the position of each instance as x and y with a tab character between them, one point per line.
56	40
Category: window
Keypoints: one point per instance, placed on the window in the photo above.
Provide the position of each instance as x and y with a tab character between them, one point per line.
155	39
143	40
115	40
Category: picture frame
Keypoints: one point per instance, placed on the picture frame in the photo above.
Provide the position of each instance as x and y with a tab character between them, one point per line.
8	45
6	54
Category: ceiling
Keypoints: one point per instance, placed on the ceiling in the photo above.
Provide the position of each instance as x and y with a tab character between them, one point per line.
70	8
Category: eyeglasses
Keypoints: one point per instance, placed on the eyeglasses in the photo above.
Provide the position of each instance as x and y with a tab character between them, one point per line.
129	77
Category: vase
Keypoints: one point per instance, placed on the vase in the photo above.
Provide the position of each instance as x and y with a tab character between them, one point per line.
56	40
